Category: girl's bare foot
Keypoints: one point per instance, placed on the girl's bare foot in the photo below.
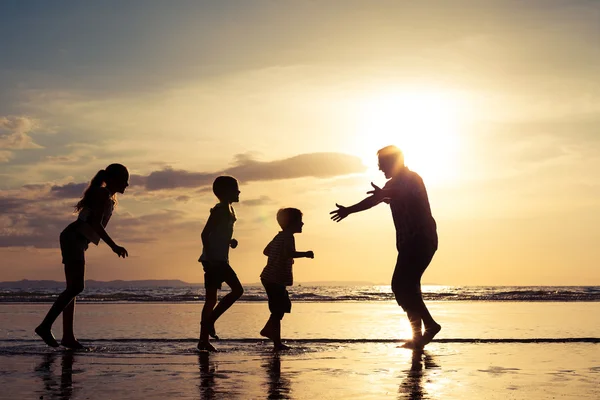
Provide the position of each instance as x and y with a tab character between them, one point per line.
430	332
72	343
47	336
206	346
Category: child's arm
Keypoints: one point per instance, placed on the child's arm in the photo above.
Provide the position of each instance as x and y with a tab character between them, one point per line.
290	250
98	203
306	254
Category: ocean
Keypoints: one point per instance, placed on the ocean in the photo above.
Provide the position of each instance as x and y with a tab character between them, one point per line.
310	293
496	343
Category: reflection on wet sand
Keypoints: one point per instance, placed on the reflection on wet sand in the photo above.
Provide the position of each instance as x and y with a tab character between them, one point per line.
413	385
278	387
208	369
52	388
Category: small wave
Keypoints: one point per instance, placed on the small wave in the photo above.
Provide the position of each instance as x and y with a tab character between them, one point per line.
316	294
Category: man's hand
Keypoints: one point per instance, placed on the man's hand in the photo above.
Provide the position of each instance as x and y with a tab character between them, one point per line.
340	213
377	191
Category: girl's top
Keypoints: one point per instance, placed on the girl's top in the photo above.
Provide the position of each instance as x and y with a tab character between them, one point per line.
279	263
102	198
220	238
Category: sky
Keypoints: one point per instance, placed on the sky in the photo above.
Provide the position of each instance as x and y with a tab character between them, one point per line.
496	104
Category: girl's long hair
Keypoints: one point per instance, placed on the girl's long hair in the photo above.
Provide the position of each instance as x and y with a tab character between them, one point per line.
99	180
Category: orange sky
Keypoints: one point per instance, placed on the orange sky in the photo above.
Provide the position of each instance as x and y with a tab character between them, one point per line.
496	105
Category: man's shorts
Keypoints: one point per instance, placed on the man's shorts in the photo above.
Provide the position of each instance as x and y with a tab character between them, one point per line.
279	298
215	273
73	245
414	257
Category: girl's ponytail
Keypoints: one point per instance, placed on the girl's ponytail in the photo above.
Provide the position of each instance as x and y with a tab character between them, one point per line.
97	181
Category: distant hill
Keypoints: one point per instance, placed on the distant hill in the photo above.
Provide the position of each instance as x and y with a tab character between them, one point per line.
150	283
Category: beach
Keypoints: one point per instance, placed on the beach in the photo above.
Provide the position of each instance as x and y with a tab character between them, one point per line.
486	350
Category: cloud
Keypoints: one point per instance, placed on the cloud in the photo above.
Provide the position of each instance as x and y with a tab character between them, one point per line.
14	133
247	169
69	191
35	215
262	200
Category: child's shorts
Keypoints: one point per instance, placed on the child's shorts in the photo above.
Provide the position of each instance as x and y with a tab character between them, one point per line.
279	298
73	245
215	273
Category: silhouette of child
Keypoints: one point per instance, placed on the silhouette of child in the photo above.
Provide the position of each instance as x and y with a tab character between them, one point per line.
281	252
94	211
217	238
416	237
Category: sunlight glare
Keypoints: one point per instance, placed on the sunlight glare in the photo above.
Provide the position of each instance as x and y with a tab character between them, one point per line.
424	124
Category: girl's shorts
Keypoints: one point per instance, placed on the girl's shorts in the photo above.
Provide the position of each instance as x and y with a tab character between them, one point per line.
73	245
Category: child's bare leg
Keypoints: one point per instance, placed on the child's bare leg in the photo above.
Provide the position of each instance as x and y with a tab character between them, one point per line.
277	345
227	301
75	284
206	320
267	330
68	339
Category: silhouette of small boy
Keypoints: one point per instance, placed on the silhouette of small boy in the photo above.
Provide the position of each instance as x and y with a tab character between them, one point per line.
281	252
217	238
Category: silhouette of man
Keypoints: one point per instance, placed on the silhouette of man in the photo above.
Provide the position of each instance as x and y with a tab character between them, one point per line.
416	237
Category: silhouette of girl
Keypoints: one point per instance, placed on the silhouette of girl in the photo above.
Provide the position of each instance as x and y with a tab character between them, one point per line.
94	211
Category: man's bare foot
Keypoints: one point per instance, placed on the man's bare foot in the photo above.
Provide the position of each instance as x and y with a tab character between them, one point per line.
266	333
281	347
413	344
72	343
47	336
430	333
206	346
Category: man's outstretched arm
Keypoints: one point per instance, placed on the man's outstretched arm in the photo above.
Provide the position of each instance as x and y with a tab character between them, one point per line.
342	212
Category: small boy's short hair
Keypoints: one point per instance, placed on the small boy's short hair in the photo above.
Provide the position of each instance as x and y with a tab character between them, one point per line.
287	216
391	153
223	184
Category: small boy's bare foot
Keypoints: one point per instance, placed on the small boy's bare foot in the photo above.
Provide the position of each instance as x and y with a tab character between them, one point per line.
266	333
47	336
430	333
206	346
73	344
281	347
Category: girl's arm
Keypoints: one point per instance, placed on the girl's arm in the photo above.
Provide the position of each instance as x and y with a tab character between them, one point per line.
95	221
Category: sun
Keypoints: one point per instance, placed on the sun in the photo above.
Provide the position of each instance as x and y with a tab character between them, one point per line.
423	123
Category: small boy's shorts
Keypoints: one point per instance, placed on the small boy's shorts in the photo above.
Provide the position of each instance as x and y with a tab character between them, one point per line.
279	298
215	273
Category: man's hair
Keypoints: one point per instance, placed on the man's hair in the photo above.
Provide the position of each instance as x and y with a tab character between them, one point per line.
391	153
287	216
223	184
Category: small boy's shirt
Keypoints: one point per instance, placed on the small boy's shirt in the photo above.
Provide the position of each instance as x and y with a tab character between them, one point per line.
220	238
279	267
